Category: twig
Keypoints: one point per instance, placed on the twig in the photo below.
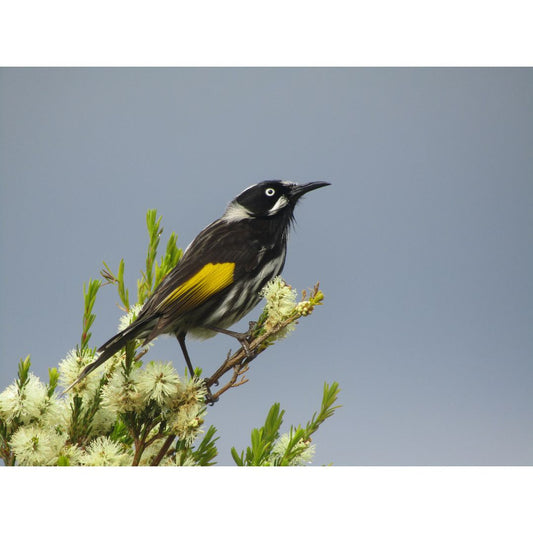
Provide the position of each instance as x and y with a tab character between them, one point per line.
163	451
240	359
232	383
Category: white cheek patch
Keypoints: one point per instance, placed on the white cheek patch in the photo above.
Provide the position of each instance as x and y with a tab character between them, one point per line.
235	212
280	204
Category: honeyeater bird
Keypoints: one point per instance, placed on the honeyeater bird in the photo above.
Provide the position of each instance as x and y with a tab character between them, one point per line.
219	277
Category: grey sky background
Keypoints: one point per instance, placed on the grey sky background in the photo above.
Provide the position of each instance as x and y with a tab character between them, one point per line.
422	245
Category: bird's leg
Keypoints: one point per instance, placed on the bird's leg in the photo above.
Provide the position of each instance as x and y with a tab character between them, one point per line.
181	339
243	338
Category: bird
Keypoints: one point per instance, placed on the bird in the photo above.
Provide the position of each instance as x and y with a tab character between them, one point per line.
219	278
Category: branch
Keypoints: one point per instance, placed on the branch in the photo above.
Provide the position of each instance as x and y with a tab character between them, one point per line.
258	342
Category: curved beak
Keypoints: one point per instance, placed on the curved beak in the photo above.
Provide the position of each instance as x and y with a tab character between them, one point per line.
299	190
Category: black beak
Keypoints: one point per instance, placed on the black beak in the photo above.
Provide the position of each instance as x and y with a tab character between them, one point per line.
299	190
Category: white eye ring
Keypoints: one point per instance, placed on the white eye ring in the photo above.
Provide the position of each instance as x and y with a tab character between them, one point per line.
270	192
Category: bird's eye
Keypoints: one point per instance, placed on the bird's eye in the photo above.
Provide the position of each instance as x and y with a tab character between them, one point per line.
270	192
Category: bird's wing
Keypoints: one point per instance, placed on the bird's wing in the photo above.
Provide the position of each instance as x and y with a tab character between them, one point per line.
210	279
210	264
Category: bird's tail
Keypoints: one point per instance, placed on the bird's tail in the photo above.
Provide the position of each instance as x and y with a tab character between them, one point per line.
111	347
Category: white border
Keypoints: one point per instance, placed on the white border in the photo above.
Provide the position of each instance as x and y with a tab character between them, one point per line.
264	499
260	33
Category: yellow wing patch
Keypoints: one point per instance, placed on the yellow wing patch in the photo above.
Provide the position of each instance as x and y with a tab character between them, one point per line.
211	279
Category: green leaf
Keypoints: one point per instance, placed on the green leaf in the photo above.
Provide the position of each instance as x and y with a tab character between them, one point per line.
63	461
89	297
120	433
329	397
122	291
23	372
53	377
262	439
206	450
239	459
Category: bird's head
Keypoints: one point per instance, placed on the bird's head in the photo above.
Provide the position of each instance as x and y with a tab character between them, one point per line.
268	199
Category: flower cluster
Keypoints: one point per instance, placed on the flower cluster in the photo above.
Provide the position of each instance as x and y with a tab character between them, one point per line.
27	403
103	451
128	318
127	413
118	415
280	305
301	453
32	417
36	446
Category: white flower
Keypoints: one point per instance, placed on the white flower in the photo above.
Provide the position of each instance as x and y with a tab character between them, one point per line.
70	368
192	391
280	297
36	396
46	410
72	453
305	450
304	308
36	446
187	422
183	459
121	394
12	405
104	452
158	381
280	305
186	409
53	412
27	403
73	363
103	420
128	318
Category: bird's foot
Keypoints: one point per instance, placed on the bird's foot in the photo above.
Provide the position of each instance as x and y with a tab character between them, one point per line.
209	398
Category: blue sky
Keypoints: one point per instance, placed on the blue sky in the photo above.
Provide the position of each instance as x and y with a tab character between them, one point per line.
422	244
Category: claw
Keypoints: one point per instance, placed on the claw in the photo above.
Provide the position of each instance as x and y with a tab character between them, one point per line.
209	399
245	345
